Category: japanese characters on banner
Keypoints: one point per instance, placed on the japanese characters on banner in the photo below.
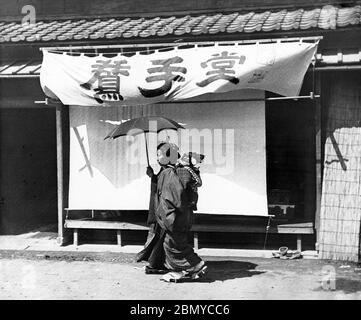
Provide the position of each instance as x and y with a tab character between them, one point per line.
175	74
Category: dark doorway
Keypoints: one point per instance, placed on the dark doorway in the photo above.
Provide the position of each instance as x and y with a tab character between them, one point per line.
291	164
28	181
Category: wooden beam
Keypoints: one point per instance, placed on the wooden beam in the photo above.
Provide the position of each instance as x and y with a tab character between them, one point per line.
179	44
113	225
59	152
62	168
296	225
302	228
195	241
119	237
76	237
318	137
299	242
251	229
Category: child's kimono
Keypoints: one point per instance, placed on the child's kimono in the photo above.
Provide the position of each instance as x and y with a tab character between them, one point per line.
186	162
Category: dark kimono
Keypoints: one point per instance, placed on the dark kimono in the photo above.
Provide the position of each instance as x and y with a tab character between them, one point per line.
153	250
174	215
170	220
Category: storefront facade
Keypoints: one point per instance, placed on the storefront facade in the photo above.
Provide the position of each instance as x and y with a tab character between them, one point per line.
300	144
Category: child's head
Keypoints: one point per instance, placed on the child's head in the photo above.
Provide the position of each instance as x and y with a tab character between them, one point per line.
193	159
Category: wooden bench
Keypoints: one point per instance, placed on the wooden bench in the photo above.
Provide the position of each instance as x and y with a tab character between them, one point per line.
298	229
102	225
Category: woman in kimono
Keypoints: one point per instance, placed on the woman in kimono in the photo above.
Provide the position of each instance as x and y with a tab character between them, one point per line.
167	248
153	250
174	215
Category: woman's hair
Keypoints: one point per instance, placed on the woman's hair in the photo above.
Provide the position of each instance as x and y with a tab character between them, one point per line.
168	148
161	144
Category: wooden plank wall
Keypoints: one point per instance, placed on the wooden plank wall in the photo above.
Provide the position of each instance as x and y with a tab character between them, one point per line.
340	215
318	154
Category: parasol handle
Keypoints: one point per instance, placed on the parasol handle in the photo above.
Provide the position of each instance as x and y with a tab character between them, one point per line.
146	148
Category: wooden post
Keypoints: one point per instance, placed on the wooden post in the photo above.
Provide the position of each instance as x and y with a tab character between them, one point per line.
318	137
299	242
59	152
195	241
119	237
62	168
76	237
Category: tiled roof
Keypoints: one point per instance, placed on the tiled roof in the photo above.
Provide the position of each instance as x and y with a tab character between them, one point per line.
327	17
20	68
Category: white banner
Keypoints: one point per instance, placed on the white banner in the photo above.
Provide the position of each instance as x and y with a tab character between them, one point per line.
176	74
110	174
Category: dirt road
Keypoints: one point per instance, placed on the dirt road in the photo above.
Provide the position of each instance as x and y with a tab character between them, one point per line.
51	277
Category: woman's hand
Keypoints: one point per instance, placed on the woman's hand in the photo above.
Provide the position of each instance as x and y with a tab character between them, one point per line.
150	172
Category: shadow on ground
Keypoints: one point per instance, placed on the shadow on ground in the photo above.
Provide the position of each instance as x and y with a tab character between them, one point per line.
44	235
228	270
348	285
49	232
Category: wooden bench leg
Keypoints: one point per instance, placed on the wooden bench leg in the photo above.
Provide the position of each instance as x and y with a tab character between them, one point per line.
76	237
119	238
299	242
195	241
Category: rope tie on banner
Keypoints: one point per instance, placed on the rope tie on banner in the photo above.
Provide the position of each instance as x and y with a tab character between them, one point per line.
267	231
313	77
